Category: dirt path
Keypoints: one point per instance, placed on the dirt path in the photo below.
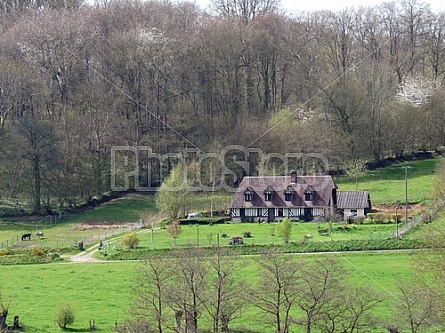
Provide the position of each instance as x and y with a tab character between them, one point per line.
86	256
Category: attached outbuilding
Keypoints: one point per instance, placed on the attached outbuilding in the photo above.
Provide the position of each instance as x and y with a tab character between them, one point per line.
353	203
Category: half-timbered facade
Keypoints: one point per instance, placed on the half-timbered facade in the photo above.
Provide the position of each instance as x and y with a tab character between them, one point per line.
273	198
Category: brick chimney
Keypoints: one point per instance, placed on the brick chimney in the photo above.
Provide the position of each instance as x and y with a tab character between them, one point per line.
293	177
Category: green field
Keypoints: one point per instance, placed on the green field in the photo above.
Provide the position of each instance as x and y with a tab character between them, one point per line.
387	185
100	291
205	235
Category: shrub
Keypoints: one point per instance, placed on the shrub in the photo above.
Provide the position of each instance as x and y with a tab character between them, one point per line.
272	231
371	217
65	315
284	229
210	237
37	251
359	219
131	240
247	234
379	217
397	217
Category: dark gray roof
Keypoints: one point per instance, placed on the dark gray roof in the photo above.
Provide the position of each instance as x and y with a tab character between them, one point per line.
321	186
353	199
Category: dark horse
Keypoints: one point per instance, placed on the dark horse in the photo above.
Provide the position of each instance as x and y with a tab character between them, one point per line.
26	236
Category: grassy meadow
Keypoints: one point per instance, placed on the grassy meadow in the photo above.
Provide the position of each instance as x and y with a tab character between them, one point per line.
264	233
101	291
387	185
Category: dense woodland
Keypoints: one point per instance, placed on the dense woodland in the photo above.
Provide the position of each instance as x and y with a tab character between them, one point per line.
77	79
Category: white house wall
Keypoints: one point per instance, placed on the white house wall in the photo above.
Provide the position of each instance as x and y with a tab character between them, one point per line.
348	212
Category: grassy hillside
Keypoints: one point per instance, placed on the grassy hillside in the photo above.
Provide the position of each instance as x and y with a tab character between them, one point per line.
387	185
108	219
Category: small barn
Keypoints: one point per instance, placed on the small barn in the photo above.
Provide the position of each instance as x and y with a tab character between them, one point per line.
353	203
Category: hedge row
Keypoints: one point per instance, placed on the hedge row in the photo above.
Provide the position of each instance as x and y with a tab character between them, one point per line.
27	259
206	220
337	246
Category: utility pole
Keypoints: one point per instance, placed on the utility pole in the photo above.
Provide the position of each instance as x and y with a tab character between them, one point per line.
406	167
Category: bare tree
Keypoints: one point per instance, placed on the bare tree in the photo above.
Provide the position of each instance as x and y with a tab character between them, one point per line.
246	10
4	309
277	292
37	144
150	293
224	297
417	307
189	281
174	229
357	306
319	284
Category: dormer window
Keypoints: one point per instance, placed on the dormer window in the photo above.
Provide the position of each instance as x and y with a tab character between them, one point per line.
268	194
308	195
288	194
248	195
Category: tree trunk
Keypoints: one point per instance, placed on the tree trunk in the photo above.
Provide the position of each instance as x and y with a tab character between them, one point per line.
178	318
16	324
3	316
225	323
36	166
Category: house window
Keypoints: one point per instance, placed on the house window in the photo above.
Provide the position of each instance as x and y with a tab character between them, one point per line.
280	212
268	195
248	195
259	212
308	195
288	195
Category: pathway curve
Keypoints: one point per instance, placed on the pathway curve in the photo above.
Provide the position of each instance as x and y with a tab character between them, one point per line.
88	254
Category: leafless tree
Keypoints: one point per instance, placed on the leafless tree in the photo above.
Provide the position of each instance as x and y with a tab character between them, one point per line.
37	142
189	283
4	309
277	292
223	298
246	10
318	291
150	293
417	307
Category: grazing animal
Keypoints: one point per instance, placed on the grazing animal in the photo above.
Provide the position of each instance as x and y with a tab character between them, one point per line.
39	234
26	236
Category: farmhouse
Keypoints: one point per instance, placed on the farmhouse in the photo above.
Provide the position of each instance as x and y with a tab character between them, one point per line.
301	198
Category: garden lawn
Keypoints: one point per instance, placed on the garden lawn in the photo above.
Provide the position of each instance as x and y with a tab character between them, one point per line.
205	235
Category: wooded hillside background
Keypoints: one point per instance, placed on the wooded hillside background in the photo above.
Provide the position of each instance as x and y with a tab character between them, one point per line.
78	78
